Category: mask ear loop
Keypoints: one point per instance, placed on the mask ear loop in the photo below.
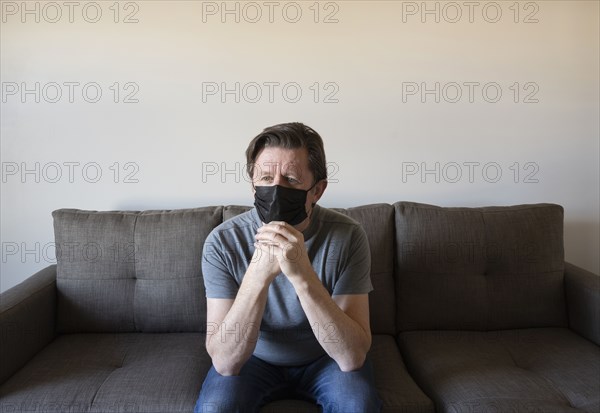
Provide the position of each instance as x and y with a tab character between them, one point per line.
312	204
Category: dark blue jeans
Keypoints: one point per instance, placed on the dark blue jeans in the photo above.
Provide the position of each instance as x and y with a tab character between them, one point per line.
259	383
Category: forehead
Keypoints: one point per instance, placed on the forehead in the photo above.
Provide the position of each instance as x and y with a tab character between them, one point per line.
271	159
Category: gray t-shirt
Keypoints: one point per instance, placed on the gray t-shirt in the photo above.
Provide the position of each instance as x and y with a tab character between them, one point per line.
339	252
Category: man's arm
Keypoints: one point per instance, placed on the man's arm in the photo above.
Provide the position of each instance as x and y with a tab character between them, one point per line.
233	324
341	322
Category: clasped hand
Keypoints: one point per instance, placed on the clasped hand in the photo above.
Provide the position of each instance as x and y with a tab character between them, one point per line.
283	244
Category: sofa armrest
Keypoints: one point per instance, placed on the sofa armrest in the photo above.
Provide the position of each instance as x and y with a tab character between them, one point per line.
582	290
27	320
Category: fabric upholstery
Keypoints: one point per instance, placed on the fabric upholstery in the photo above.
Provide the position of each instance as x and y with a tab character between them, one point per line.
140	372
232	210
479	268
395	386
27	314
457	292
125	271
582	290
290	406
541	369
95	270
169	291
378	222
136	372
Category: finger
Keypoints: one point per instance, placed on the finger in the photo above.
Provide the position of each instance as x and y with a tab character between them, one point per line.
268	249
288	232
276	226
265	244
270	237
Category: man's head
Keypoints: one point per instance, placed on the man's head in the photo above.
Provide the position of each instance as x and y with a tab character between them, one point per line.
290	155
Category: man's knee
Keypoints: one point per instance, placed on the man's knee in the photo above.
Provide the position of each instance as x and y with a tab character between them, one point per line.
349	392
353	399
226	394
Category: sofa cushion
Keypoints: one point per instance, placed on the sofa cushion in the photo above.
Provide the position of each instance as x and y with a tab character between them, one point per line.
378	222
129	372
479	268
290	406
541	369
396	388
231	211
137	372
125	271
95	275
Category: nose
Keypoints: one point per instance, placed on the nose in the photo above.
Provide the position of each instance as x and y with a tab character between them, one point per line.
278	180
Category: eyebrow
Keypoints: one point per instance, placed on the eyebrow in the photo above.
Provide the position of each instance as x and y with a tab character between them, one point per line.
292	170
288	175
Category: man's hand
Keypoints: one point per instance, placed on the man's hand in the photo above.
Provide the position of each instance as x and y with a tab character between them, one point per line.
287	245
348	314
264	263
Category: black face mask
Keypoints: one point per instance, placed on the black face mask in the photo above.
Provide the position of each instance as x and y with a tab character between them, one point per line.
278	203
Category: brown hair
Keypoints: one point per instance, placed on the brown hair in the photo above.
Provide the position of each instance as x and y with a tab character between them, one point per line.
290	136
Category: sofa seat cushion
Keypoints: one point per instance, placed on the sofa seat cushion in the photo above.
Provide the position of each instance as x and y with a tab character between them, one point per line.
140	372
290	406
396	388
130	372
540	369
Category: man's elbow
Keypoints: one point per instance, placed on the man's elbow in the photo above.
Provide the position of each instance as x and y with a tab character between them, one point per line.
352	363
226	368
223	364
356	359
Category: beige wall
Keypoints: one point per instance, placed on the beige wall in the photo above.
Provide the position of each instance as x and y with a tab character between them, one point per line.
363	69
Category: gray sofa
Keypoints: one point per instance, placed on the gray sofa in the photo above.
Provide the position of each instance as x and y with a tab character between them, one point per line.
474	310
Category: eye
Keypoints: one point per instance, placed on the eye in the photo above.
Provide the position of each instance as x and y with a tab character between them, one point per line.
266	178
292	180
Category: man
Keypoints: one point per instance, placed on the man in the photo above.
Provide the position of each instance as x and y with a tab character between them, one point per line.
286	287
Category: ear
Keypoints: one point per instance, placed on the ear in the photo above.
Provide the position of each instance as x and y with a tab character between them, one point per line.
319	190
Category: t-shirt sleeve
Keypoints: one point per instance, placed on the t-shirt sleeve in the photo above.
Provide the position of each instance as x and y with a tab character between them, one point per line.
219	281
355	277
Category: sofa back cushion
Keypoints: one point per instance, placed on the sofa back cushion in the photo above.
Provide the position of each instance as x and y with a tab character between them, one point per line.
121	271
482	268
378	222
